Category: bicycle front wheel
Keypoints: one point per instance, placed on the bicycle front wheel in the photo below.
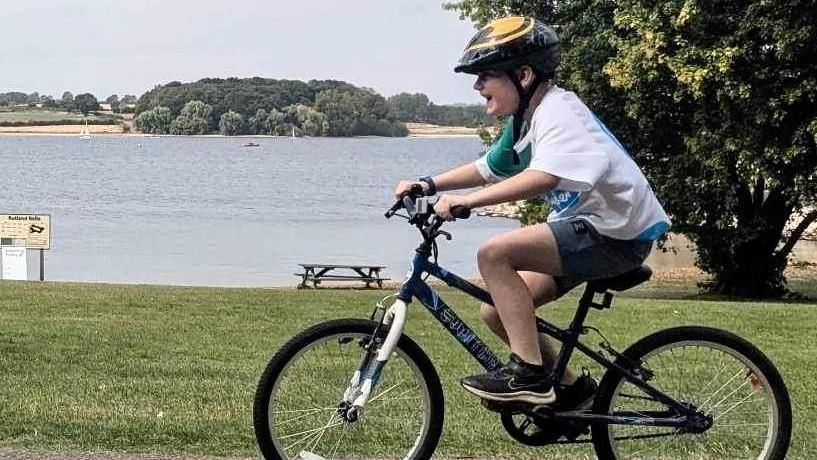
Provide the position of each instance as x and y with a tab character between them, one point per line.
739	392
296	412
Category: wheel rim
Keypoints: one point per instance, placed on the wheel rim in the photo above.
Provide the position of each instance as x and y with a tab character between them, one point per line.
303	418
722	383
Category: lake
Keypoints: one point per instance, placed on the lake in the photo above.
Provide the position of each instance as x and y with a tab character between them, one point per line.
207	211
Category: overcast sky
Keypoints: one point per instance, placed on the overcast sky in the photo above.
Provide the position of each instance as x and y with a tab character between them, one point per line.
129	46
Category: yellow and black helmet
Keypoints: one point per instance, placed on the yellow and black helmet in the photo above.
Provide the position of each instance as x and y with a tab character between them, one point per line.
509	43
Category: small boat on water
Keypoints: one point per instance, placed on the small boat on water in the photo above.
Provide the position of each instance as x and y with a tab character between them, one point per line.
84	133
251	144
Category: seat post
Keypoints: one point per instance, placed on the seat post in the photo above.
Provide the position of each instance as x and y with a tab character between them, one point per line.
572	333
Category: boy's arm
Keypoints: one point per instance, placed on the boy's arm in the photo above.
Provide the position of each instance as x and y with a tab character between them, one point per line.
465	176
527	184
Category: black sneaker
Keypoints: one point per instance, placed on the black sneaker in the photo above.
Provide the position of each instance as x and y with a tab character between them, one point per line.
576	397
516	381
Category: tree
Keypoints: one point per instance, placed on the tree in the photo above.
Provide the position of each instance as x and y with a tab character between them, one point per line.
67	100
194	119
48	101
309	121
741	80
276	124
340	110
230	124
189	126
155	121
197	109
128	99
86	103
716	101
410	107
258	123
113	100
357	112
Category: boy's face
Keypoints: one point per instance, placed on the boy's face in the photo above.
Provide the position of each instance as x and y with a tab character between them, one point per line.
499	92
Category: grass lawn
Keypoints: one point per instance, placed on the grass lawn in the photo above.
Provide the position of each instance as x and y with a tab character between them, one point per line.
92	367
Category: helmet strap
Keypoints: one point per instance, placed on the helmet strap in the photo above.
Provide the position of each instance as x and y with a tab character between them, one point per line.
524	99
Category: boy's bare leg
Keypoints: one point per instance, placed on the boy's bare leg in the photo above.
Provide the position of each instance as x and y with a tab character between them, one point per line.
542	288
500	260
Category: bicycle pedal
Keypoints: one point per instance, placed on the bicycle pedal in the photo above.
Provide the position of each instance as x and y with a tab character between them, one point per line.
503	407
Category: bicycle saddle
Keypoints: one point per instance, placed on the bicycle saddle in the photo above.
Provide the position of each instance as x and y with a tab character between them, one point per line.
622	282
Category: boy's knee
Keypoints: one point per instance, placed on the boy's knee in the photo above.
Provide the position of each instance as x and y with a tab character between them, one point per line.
489	252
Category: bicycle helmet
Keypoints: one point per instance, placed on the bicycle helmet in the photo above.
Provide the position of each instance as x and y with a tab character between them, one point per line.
506	44
509	43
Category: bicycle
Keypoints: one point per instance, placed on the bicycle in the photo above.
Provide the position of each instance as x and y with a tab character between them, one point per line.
684	392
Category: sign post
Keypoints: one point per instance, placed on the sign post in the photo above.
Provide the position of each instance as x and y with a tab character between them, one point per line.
18	233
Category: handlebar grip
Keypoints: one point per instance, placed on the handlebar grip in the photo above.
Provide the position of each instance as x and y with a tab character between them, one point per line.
396	207
460	212
406	201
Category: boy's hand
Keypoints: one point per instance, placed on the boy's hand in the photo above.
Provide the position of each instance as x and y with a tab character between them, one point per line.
444	204
404	187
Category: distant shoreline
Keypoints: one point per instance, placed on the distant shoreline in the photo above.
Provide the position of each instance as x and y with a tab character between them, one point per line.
415	130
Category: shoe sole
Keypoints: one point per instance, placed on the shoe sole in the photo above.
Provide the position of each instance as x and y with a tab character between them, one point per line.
526	396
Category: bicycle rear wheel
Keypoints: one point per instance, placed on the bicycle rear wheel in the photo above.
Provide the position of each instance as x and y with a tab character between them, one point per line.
722	375
296	414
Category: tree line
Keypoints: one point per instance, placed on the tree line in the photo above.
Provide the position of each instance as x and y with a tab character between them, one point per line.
266	106
716	100
279	107
84	102
418	108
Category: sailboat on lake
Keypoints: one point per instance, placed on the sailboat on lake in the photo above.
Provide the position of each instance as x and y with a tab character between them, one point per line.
85	133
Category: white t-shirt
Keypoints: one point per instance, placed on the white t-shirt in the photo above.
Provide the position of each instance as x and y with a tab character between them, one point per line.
598	179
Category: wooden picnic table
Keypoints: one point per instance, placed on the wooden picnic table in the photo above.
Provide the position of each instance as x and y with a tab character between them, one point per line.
315	273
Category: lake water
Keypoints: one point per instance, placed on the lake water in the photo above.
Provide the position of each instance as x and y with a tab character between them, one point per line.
205	211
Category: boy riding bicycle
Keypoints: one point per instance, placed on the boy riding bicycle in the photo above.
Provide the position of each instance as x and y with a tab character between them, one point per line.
605	215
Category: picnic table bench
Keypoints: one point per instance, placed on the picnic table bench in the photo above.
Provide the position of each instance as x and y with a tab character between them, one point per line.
315	273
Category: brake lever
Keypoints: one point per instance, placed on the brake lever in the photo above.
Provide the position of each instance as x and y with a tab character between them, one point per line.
445	234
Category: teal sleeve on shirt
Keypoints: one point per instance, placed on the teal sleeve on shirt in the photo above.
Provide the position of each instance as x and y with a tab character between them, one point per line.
500	159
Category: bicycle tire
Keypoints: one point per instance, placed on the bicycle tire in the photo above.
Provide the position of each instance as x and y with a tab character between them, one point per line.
415	360
760	372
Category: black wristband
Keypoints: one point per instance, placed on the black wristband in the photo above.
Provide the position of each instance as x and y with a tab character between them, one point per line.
432	187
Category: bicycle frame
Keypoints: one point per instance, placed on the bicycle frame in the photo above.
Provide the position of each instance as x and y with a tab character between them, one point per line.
415	287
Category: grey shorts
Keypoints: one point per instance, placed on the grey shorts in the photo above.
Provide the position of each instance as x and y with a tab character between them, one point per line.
588	255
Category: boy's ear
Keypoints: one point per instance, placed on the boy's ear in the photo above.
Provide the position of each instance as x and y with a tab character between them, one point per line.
526	76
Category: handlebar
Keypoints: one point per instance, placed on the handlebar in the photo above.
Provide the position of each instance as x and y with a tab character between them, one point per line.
419	208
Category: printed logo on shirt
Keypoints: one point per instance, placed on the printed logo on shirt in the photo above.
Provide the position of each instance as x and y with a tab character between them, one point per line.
562	199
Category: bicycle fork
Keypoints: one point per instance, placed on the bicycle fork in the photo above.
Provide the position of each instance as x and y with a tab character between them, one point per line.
365	378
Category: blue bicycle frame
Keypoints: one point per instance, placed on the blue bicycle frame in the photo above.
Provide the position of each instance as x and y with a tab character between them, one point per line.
415	287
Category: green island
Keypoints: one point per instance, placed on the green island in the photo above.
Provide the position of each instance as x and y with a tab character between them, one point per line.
244	106
172	370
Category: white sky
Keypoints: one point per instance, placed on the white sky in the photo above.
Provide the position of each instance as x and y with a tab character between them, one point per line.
128	46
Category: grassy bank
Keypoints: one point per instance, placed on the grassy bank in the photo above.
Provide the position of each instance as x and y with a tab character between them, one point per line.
88	367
